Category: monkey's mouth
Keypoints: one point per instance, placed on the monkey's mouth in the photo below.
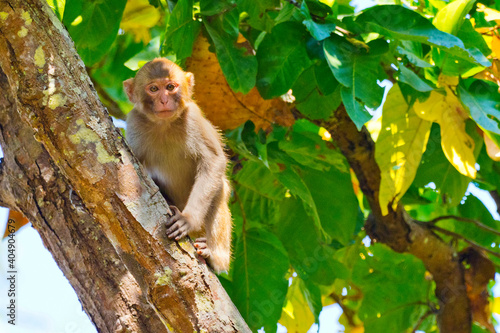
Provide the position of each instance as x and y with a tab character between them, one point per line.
164	113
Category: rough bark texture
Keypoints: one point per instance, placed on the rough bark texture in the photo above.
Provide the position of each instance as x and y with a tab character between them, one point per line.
400	232
68	169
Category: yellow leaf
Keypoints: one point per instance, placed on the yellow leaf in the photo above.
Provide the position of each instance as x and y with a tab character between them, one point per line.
399	148
296	315
327	2
495	45
445	80
138	17
496	305
447	111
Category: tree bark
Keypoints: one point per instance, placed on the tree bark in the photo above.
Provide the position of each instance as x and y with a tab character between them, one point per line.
68	169
399	231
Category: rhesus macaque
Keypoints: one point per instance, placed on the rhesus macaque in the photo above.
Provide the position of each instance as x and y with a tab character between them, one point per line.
182	151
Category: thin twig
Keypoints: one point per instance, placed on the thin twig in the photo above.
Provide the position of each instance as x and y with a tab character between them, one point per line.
349	313
454	234
421	320
467	220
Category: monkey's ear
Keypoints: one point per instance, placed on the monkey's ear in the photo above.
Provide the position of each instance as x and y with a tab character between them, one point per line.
128	85
190	82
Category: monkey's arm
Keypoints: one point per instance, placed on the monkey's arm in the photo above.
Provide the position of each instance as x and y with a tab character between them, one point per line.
207	193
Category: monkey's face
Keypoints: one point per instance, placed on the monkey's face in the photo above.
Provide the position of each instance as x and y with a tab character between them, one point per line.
160	90
162	97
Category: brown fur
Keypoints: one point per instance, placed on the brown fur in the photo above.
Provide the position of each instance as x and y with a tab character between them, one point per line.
183	154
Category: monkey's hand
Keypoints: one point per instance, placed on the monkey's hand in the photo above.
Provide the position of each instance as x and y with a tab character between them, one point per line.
178	225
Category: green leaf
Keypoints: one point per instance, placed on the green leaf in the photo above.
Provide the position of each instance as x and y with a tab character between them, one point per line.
58	7
413	58
490	170
401	23
260	254
357	68
394	289
255	176
310	257
239	67
409	77
476	328
399	148
181	31
282	57
289	176
354	108
310	98
92	34
244	141
310	150
111	71
312	294
483	101
327	83
258	210
319	31
258	12
450	18
212	7
452	65
151	51
155	3
336	203
318	106
472	38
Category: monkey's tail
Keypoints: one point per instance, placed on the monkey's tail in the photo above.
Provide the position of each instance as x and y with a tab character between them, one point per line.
219	235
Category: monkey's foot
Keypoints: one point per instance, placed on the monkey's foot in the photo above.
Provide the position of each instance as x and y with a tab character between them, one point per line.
201	247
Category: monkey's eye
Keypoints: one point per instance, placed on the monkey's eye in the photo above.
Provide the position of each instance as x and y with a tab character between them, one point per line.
153	88
170	87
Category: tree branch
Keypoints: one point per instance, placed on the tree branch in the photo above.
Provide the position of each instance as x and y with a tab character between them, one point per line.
399	231
68	169
474	244
464	219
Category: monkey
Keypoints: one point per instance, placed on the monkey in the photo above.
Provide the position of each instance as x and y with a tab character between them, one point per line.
183	153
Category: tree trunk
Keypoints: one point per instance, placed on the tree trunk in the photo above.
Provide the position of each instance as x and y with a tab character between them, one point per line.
68	169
